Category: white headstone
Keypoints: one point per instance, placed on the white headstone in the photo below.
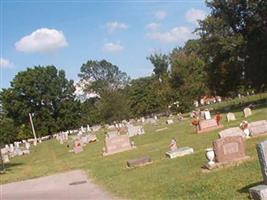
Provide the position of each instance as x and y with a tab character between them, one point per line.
247	112
207	115
230	117
169	121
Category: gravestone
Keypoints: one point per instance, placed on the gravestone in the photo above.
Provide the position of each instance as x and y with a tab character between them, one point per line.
139	162
235	131
169	121
135	130
5	158
207	115
142	119
112	134
84	140
262	154
260	192
150	121
230	117
229	149
258	128
77	146
207	125
117	144
27	145
182	151
96	128
91	138
247	112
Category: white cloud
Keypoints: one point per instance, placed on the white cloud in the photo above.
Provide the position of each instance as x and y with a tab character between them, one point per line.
160	15
113	47
193	15
176	34
113	26
5	63
42	40
153	26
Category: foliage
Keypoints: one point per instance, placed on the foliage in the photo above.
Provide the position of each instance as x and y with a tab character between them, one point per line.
234	43
161	64
44	92
7	131
188	77
107	81
102	76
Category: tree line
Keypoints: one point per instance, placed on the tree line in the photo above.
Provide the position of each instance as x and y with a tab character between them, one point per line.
228	57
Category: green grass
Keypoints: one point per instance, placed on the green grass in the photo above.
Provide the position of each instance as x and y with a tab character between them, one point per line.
180	178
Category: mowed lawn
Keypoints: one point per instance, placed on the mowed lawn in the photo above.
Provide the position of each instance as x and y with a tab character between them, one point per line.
180	178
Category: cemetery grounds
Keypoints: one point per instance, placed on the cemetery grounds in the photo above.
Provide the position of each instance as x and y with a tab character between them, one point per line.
179	178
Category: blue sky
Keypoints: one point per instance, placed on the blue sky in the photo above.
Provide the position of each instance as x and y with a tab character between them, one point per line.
68	33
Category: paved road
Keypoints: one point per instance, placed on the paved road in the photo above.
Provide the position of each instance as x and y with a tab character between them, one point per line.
66	186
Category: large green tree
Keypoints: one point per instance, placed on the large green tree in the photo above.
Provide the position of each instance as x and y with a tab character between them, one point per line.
161	64
188	76
105	79
47	94
234	42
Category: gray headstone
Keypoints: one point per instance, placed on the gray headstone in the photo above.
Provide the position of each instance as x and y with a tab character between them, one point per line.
182	151
235	131
262	154
258	192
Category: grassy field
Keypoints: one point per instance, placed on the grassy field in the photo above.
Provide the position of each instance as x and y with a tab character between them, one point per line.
180	178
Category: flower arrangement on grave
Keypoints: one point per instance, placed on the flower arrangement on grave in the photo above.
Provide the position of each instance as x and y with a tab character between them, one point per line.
218	118
244	126
173	144
195	121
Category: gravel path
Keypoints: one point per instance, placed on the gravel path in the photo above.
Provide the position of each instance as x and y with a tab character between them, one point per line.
73	185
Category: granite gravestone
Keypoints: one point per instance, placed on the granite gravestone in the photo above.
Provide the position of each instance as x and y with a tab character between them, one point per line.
235	131
117	144
77	146
135	130
247	112
181	151
229	149
262	154
112	134
258	127
230	117
207	125
139	162
259	192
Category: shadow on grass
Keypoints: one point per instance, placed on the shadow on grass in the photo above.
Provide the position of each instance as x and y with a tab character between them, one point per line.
246	188
9	166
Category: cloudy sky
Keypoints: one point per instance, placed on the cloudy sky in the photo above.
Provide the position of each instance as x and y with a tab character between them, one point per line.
68	33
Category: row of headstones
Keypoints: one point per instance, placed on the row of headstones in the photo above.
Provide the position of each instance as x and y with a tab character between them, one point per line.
15	149
225	150
208	101
246	129
205	114
231	116
79	140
